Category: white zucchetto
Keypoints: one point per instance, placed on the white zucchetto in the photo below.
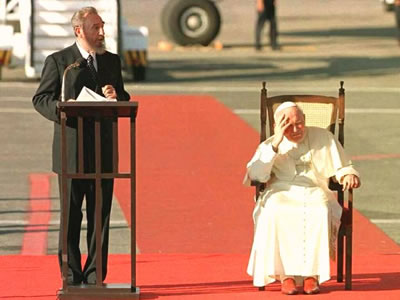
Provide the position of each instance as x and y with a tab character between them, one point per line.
283	106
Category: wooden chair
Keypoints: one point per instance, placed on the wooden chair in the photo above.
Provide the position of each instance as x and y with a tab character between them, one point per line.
326	112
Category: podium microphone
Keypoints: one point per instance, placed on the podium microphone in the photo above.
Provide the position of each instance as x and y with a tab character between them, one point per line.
79	63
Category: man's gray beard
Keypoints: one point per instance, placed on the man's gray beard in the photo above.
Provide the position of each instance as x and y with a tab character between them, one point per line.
102	49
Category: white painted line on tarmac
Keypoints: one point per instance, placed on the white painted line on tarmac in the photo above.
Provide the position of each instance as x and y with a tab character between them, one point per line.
16	99
181	88
373	110
385	221
348	110
244	111
10	110
245	89
11	223
26	99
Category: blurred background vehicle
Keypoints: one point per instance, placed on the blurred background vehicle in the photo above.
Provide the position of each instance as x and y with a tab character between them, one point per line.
388	5
37	28
191	22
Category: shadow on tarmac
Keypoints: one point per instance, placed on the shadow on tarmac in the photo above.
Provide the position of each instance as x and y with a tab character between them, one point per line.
258	68
255	66
367	32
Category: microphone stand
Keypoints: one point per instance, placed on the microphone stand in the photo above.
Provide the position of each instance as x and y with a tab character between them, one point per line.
78	64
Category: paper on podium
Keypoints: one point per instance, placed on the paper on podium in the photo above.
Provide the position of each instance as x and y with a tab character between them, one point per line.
87	94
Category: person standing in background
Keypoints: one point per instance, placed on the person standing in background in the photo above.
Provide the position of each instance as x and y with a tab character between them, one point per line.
397	15
266	11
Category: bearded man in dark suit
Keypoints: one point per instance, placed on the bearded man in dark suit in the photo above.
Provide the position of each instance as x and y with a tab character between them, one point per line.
106	80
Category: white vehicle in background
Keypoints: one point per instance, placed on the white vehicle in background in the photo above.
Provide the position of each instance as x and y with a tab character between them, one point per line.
37	28
388	5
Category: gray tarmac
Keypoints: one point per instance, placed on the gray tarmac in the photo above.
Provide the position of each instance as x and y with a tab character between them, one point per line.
322	42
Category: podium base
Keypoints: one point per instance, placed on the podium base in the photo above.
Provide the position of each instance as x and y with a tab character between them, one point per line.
105	291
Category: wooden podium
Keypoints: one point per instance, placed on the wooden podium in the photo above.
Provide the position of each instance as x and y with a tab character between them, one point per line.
98	111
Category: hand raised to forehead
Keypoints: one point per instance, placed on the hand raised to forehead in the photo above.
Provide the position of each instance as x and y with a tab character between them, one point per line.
280	127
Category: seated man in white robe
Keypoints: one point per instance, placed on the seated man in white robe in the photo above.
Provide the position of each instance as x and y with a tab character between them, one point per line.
297	217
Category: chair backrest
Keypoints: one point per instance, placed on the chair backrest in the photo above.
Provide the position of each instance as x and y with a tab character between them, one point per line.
320	111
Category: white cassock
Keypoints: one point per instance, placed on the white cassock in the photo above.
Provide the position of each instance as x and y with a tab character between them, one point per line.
297	217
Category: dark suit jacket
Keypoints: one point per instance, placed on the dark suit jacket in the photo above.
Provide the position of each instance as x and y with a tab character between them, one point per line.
269	8
49	92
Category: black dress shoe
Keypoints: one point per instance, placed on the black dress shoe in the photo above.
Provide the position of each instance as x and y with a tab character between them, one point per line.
275	47
74	278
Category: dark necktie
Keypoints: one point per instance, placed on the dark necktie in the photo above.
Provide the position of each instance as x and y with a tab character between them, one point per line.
92	69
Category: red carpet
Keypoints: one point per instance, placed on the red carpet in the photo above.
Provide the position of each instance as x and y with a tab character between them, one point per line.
202	276
191	157
194	217
35	243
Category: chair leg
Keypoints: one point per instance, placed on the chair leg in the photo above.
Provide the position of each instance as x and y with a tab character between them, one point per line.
349	257
340	251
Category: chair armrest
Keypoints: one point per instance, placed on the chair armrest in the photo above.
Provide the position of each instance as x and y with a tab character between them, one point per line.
334	185
260	187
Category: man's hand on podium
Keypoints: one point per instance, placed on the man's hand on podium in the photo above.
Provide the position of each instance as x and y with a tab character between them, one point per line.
109	91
